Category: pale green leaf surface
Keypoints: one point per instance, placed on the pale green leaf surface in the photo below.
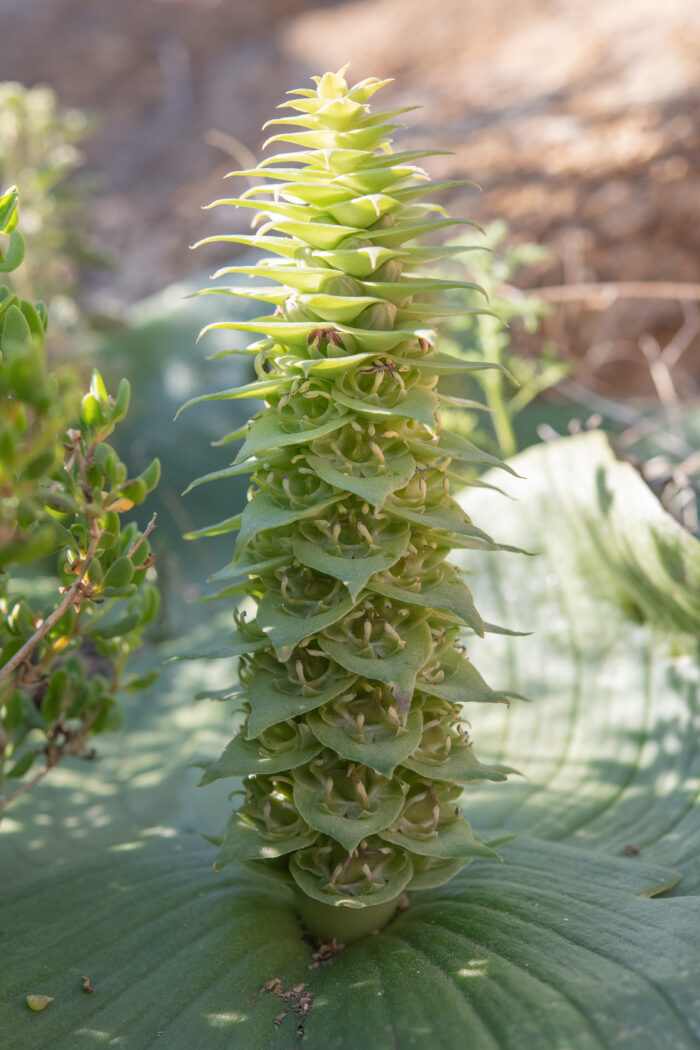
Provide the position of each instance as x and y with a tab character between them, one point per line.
547	950
610	745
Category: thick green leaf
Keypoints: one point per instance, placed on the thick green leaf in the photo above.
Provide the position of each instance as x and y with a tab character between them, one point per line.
554	948
609	746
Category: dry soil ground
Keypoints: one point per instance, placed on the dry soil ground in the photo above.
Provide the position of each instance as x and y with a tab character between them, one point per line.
581	120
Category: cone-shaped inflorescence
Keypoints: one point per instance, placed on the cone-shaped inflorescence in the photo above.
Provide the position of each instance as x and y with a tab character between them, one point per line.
352	674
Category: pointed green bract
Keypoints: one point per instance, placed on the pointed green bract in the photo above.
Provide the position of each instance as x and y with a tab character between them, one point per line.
352	748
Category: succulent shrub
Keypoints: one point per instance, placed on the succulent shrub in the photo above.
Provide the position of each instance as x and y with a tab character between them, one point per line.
352	672
40	152
65	642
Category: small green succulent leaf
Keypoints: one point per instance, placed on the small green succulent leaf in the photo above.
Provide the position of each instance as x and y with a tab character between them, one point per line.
15	328
9	216
14	255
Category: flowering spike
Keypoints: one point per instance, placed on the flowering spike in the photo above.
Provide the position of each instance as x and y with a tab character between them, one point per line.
352	671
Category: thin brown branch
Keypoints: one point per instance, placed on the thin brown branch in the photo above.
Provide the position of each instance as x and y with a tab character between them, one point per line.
146	532
74	748
68	600
5	802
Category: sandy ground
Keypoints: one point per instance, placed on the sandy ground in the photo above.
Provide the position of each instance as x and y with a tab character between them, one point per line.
580	121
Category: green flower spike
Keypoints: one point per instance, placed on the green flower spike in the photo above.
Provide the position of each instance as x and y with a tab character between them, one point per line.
352	672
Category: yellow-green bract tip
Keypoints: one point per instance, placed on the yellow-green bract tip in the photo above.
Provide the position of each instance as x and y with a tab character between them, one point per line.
38	1002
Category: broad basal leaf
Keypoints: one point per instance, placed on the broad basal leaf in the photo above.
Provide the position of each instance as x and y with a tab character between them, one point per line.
553	948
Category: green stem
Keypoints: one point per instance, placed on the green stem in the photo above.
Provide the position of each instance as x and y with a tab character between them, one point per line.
500	417
346	925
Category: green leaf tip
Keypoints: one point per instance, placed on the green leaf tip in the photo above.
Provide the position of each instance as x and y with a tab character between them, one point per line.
352	751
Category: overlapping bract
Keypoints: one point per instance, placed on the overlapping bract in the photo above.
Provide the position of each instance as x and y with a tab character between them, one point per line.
352	674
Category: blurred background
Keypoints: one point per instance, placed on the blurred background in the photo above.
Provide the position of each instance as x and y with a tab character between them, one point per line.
581	125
